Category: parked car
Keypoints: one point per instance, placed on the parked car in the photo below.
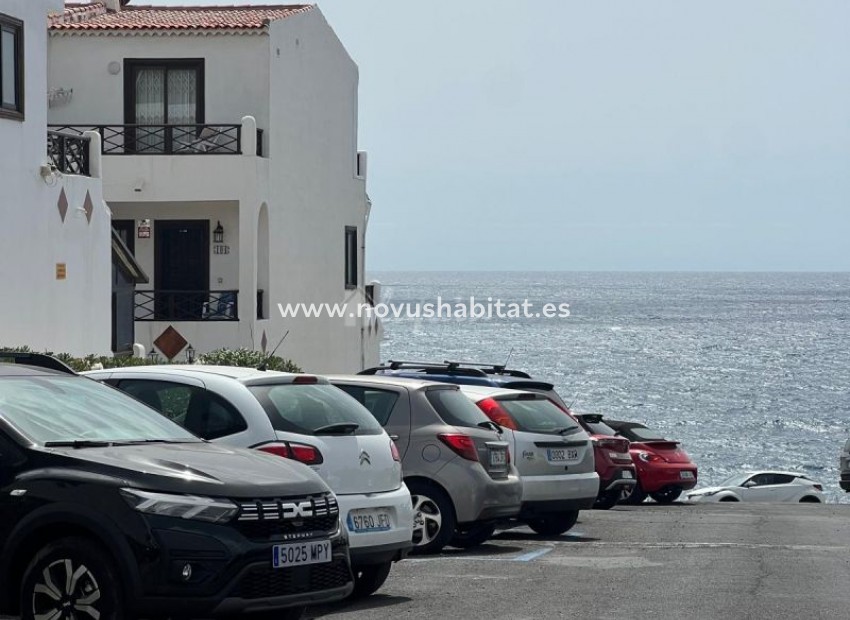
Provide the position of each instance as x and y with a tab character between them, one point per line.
844	463
613	463
300	417
109	509
456	463
664	469
762	486
554	456
617	471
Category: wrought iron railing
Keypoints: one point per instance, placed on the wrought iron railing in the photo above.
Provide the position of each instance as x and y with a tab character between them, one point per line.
167	139
69	152
161	305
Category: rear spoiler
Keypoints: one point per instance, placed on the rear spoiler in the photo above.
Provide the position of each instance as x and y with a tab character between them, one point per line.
541	386
40	360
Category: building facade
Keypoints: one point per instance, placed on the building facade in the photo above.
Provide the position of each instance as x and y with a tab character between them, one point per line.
55	237
230	164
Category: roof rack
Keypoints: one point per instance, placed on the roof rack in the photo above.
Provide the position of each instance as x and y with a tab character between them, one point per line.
492	369
426	367
40	360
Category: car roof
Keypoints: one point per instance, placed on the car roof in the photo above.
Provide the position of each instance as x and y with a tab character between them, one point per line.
237	373
775	471
411	384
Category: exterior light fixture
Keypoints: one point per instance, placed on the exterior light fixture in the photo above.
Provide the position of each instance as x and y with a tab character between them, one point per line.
218	234
190	354
152	356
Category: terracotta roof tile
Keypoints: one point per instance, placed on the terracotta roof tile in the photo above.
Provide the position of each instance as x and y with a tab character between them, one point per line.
94	16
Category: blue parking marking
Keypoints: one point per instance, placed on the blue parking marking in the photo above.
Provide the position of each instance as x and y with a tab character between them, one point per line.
532	555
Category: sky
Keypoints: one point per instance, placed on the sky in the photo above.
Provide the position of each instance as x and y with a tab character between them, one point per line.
563	135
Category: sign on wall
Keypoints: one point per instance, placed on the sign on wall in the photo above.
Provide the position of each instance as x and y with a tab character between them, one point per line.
144	229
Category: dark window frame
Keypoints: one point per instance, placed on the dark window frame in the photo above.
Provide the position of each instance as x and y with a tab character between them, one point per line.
16	26
132	64
352	255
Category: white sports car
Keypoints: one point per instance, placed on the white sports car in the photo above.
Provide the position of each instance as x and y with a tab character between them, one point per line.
762	486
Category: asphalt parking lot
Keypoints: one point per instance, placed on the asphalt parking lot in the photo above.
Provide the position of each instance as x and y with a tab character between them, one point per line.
715	561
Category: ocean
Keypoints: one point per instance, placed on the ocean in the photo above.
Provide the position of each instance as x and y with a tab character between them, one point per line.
747	370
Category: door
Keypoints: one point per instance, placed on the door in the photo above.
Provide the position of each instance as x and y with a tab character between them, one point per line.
165	99
182	268
123	293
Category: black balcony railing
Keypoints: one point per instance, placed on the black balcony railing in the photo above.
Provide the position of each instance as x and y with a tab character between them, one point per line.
159	305
69	152
167	139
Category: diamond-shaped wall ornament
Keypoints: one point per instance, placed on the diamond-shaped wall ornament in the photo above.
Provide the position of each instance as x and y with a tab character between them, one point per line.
264	341
170	343
88	207
62	204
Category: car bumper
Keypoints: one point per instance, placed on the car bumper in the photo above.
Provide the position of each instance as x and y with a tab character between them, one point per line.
560	487
621	478
400	508
478	497
667	475
845	479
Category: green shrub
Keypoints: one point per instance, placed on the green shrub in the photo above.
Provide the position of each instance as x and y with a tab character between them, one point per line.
221	357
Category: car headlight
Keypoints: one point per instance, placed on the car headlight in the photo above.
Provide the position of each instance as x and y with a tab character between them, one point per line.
181	506
703	493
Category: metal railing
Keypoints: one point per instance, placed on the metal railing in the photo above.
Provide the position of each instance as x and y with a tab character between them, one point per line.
164	305
69	152
167	139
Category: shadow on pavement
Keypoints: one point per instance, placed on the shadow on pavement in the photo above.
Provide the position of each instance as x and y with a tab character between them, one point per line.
531	537
376	601
479	551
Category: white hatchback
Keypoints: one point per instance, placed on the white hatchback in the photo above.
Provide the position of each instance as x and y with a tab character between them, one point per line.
300	417
552	453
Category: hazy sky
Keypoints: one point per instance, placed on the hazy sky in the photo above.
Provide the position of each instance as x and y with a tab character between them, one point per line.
565	135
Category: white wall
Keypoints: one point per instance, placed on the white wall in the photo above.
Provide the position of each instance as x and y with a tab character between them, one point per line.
71	315
315	194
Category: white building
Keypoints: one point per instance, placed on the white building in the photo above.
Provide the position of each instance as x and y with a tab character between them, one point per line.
55	240
230	163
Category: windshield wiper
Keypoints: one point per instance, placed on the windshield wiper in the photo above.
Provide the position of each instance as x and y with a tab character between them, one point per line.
341	428
144	441
567	430
492	425
79	443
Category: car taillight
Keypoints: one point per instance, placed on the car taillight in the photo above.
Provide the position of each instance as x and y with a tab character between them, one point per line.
309	455
305	380
394	451
493	410
508	455
462	445
649	457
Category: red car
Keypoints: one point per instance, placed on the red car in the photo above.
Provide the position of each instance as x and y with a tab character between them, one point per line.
617	472
664	469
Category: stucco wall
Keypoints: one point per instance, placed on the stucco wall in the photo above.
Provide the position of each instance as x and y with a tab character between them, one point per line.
71	315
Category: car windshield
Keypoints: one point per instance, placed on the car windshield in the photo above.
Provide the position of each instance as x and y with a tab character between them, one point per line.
637	433
315	410
735	481
48	409
538	415
600	428
455	408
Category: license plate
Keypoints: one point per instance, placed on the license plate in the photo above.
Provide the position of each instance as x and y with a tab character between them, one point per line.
498	458
301	554
369	521
627	474
561	455
687	475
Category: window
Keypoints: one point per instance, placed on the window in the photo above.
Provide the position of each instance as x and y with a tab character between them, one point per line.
380	403
163	92
456	409
350	257
199	411
11	67
537	415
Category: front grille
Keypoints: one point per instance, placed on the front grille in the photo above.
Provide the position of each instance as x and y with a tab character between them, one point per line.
264	582
288	519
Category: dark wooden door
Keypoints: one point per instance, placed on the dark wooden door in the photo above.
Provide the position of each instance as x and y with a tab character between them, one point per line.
182	268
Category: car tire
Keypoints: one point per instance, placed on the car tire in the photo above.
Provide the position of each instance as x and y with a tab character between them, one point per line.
809	499
633	496
554	524
433	518
667	495
76	568
369	579
607	500
473	535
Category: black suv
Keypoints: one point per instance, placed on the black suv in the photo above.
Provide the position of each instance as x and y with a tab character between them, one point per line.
109	510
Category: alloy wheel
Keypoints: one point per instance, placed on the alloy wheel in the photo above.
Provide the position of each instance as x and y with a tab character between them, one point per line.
427	520
66	591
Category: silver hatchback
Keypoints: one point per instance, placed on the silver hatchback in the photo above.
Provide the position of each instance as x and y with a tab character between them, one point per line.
456	463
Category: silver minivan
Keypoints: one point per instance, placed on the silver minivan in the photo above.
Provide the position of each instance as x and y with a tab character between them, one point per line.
456	461
553	454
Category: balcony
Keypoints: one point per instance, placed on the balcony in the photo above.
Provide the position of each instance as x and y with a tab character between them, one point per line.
69	152
161	305
167	139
